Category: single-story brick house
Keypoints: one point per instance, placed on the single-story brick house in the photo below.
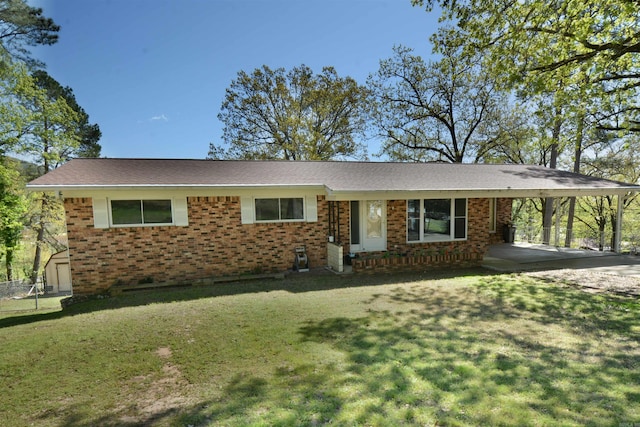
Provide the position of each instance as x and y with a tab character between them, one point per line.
175	221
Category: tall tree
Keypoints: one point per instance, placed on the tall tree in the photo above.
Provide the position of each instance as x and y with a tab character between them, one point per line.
49	136
13	207
13	115
584	54
22	26
88	134
447	110
294	115
548	41
617	159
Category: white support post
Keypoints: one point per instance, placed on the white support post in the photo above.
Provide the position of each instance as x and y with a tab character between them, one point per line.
618	238
558	203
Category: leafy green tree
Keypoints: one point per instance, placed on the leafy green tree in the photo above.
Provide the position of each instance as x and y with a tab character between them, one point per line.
13	207
40	119
583	54
539	43
449	110
22	26
294	115
13	115
618	160
87	133
48	136
59	129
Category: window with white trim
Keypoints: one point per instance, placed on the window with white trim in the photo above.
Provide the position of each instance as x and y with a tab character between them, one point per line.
279	209
436	220
141	212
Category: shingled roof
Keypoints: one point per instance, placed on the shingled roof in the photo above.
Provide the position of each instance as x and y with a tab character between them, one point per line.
333	177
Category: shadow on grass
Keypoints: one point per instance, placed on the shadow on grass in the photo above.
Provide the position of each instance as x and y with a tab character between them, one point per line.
77	416
512	351
507	350
295	283
553	301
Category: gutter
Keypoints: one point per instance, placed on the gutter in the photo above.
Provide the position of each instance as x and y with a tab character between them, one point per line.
207	189
120	187
479	193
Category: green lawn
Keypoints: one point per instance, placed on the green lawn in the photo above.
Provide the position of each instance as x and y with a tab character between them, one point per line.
11	307
477	349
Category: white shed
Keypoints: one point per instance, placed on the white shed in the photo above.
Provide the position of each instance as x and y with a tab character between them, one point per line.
58	273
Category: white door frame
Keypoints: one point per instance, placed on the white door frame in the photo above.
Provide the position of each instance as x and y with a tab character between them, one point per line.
372	231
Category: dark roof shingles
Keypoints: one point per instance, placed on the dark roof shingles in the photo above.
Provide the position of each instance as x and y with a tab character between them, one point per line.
337	176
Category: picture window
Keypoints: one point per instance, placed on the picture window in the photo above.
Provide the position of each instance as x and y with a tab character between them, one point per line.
431	220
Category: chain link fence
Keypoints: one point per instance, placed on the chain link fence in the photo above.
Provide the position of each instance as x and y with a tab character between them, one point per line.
20	295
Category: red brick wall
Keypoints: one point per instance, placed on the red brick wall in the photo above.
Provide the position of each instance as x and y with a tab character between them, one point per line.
214	244
504	209
477	231
403	255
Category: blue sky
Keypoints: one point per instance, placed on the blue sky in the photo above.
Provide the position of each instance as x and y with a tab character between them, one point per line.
153	73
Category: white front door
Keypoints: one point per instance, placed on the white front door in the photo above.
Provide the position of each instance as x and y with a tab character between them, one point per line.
369	232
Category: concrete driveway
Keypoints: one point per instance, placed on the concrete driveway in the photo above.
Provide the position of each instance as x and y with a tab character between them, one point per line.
518	257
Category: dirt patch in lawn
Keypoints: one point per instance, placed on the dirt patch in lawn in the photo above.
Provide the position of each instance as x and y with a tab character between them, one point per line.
162	396
164	352
592	281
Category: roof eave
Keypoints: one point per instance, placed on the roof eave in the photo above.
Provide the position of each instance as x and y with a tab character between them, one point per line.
479	193
172	187
348	194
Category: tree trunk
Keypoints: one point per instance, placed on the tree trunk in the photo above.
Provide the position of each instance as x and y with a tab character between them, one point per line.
9	261
38	255
44	207
37	259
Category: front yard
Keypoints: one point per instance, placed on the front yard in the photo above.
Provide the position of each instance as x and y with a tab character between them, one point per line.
473	349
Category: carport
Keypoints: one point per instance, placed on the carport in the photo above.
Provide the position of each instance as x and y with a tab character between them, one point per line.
520	257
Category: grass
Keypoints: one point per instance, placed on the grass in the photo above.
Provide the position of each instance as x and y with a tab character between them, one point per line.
476	349
9	306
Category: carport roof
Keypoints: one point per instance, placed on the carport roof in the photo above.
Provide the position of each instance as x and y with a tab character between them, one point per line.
340	180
